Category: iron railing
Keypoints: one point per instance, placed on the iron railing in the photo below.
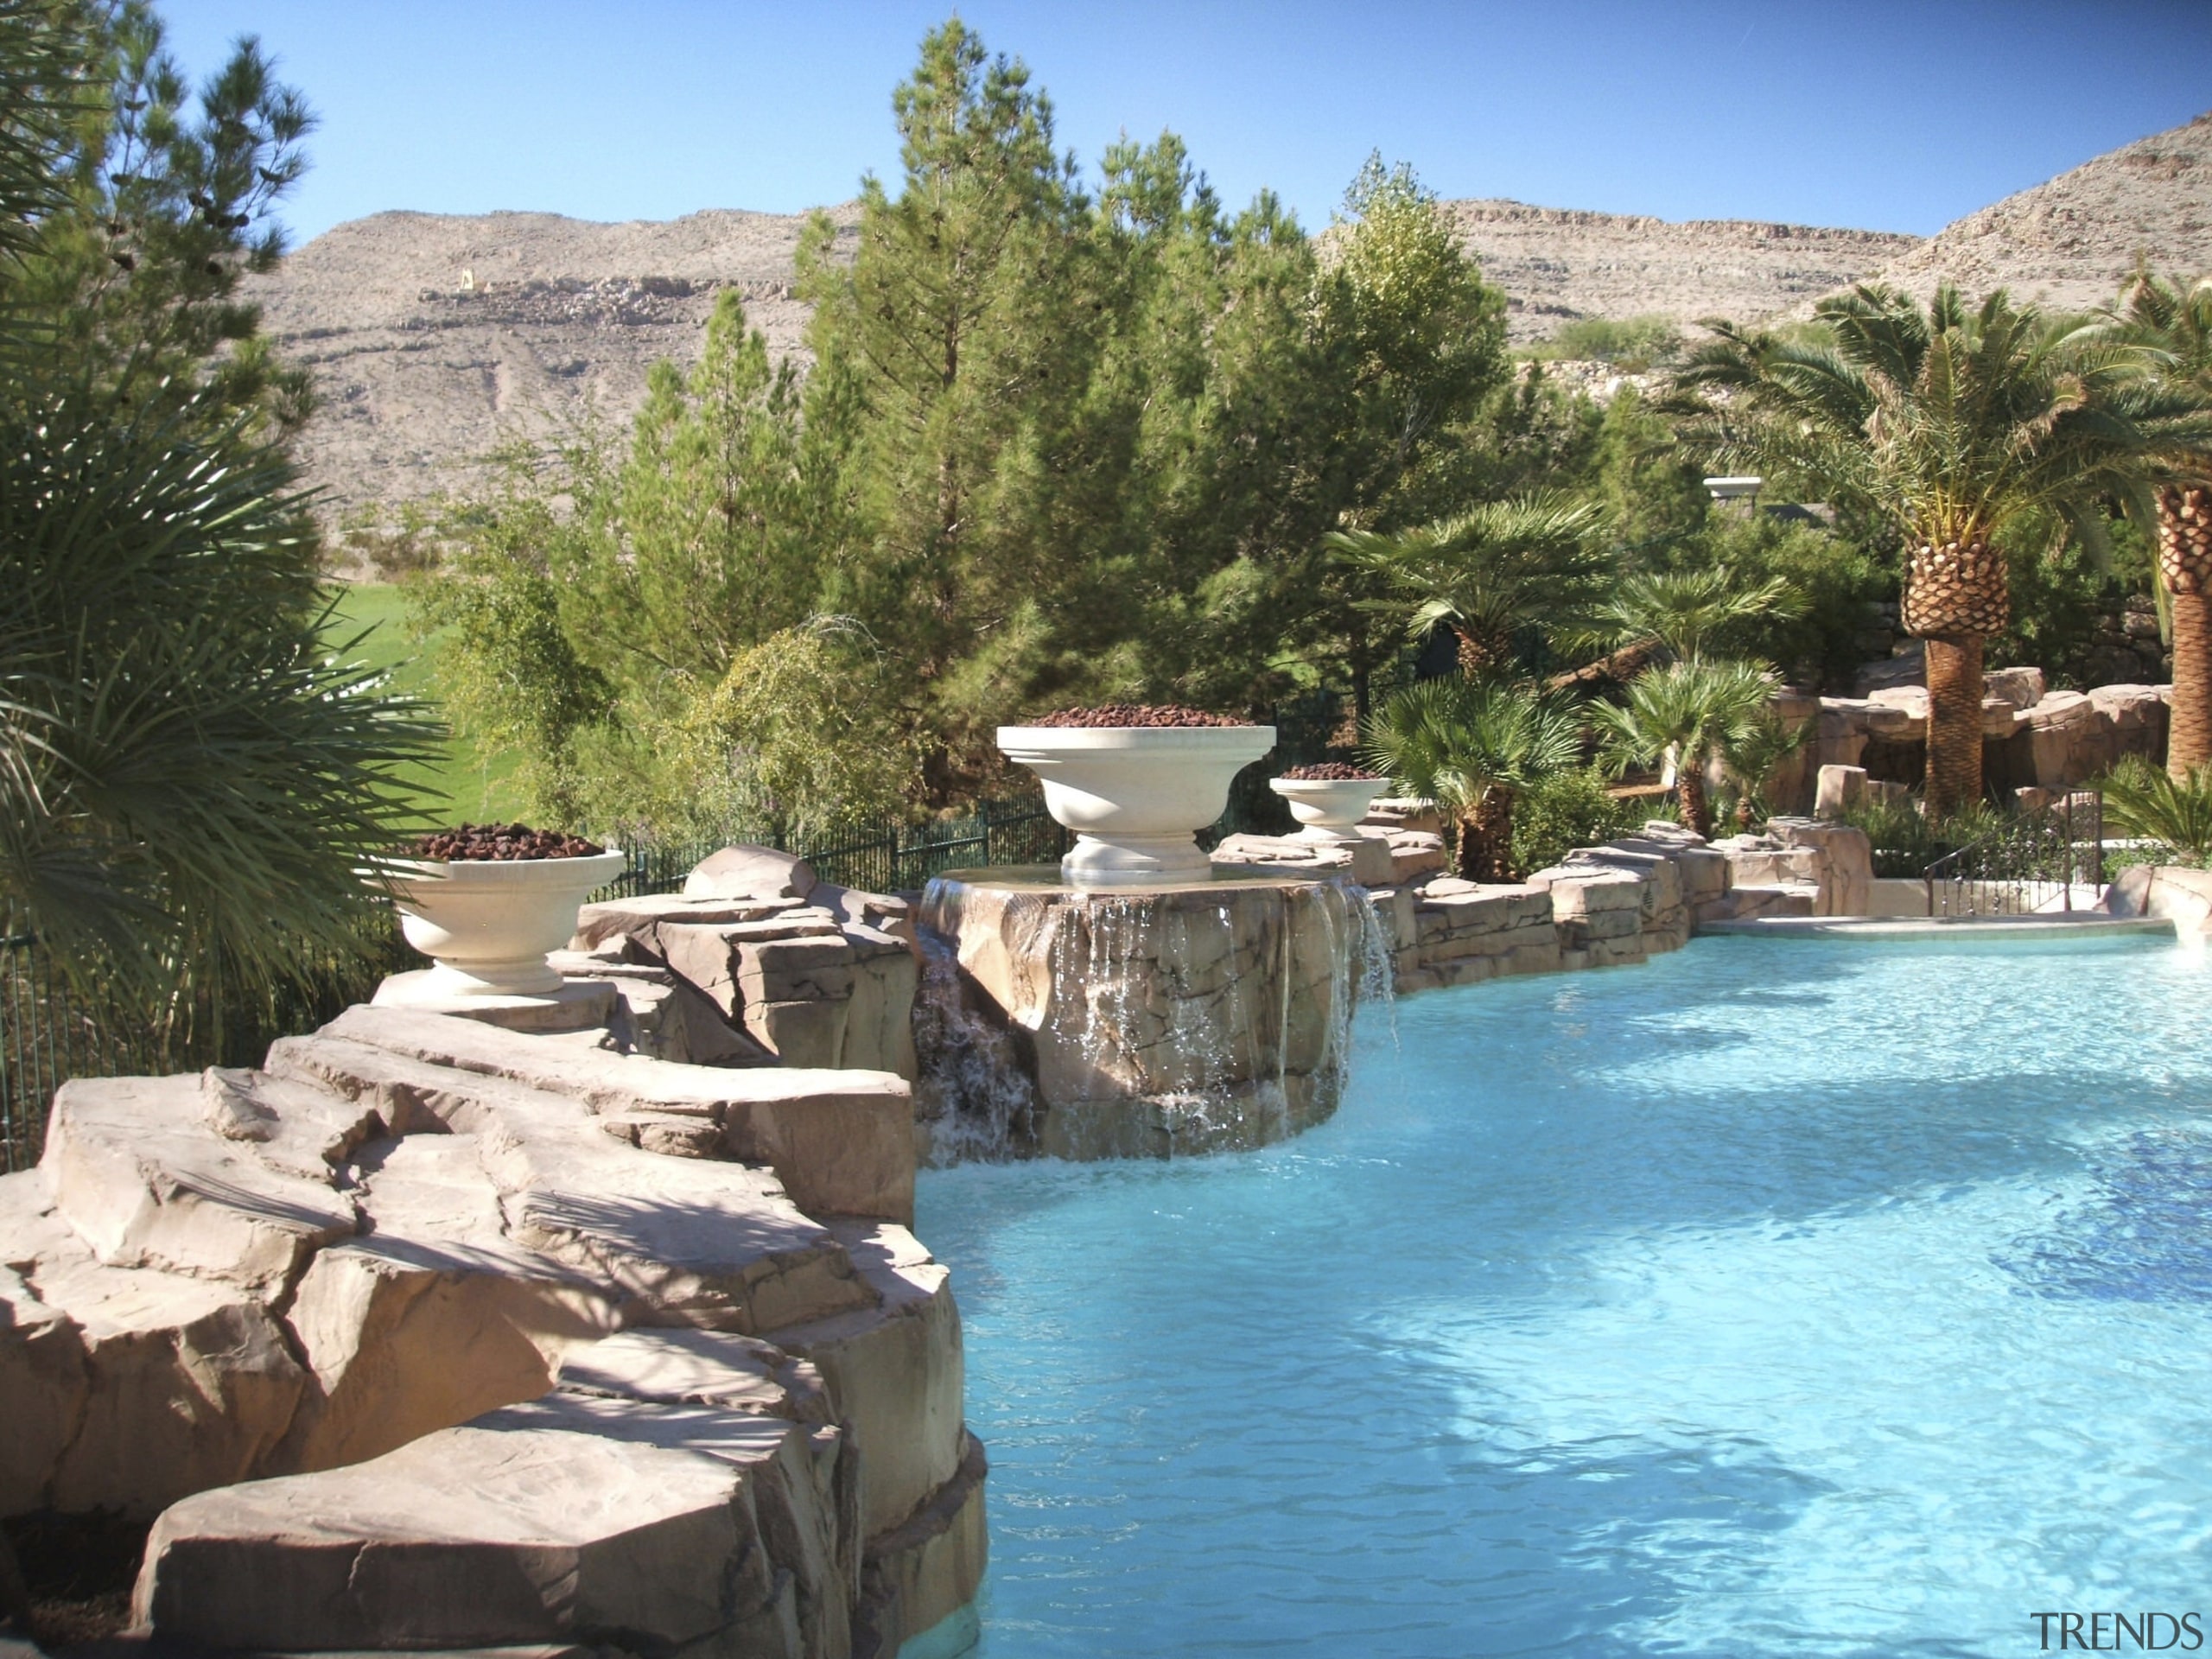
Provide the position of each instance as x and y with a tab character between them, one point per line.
51	1032
2052	859
884	857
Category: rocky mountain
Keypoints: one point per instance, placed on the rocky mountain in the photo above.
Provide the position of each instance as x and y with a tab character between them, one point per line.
2069	242
1558	266
434	338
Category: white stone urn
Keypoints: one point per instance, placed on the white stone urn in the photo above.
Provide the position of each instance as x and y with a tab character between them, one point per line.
489	923
1135	796
1329	809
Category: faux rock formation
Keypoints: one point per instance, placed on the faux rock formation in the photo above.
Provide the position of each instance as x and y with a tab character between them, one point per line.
515	1338
2031	736
2182	895
1098	1025
793	970
1833	862
1186	1019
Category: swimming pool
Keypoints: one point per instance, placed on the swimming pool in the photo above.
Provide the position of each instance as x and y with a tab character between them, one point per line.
1776	1298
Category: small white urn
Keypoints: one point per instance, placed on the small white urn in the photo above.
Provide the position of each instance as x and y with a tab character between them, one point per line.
1135	796
1329	809
489	924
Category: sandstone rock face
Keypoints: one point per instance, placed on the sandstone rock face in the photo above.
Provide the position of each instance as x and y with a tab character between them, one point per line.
1840	789
1835	862
839	1139
476	1314
471	1537
750	872
804	973
2030	735
1147	1023
894	1372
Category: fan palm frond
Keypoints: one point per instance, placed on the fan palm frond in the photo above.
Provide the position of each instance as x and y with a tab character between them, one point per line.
185	766
1693	708
2143	800
1488	573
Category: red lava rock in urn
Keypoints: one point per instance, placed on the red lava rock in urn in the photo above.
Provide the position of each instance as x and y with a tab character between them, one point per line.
1136	713
1330	771
500	841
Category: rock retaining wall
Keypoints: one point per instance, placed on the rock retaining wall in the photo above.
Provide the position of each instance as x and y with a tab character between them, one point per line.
512	1339
1600	906
2032	737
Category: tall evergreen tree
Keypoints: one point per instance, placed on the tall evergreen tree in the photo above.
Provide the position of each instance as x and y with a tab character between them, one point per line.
168	199
959	339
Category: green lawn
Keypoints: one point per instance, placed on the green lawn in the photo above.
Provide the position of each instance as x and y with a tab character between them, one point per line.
466	785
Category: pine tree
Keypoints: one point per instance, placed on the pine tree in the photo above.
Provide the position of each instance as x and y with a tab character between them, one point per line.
168	202
958	342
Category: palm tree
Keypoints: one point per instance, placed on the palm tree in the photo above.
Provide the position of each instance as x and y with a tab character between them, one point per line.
1471	746
1751	760
1698	710
186	776
2175	812
1959	426
2172	320
1696	613
1528	562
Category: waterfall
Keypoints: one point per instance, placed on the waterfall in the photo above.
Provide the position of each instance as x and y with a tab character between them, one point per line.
1151	1022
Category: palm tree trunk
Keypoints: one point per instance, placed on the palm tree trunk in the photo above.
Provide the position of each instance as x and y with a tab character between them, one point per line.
1957	595
1692	808
2189	738
1953	723
2185	564
1471	858
1497	811
1476	656
1486	837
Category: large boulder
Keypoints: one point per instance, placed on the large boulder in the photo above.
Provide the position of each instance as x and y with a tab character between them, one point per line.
894	1372
515	1531
189	1383
750	872
839	1141
434	1317
471	1312
143	1179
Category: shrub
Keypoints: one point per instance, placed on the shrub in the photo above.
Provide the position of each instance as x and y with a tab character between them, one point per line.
1634	345
1905	842
1566	810
2142	802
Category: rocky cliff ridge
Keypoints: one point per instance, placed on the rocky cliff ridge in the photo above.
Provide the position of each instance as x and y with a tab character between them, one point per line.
434	339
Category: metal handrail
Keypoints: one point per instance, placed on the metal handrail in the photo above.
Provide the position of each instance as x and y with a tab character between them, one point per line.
2054	847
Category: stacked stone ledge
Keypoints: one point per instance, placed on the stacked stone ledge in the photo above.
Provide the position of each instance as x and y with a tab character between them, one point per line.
1601	907
433	1334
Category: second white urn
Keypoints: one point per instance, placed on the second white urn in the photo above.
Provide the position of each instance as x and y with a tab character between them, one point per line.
1135	796
1329	809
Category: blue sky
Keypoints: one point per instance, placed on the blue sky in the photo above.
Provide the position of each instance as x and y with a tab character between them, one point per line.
1872	115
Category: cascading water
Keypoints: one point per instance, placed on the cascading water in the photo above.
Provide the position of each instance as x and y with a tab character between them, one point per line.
1159	1022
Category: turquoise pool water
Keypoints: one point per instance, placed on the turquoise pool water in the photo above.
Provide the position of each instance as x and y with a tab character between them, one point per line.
1804	1297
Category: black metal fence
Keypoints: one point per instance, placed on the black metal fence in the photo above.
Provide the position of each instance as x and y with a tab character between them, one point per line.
884	857
2049	860
51	1032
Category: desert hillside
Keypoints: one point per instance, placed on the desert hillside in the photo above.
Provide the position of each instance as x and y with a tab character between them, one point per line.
2070	242
1557	265
433	338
